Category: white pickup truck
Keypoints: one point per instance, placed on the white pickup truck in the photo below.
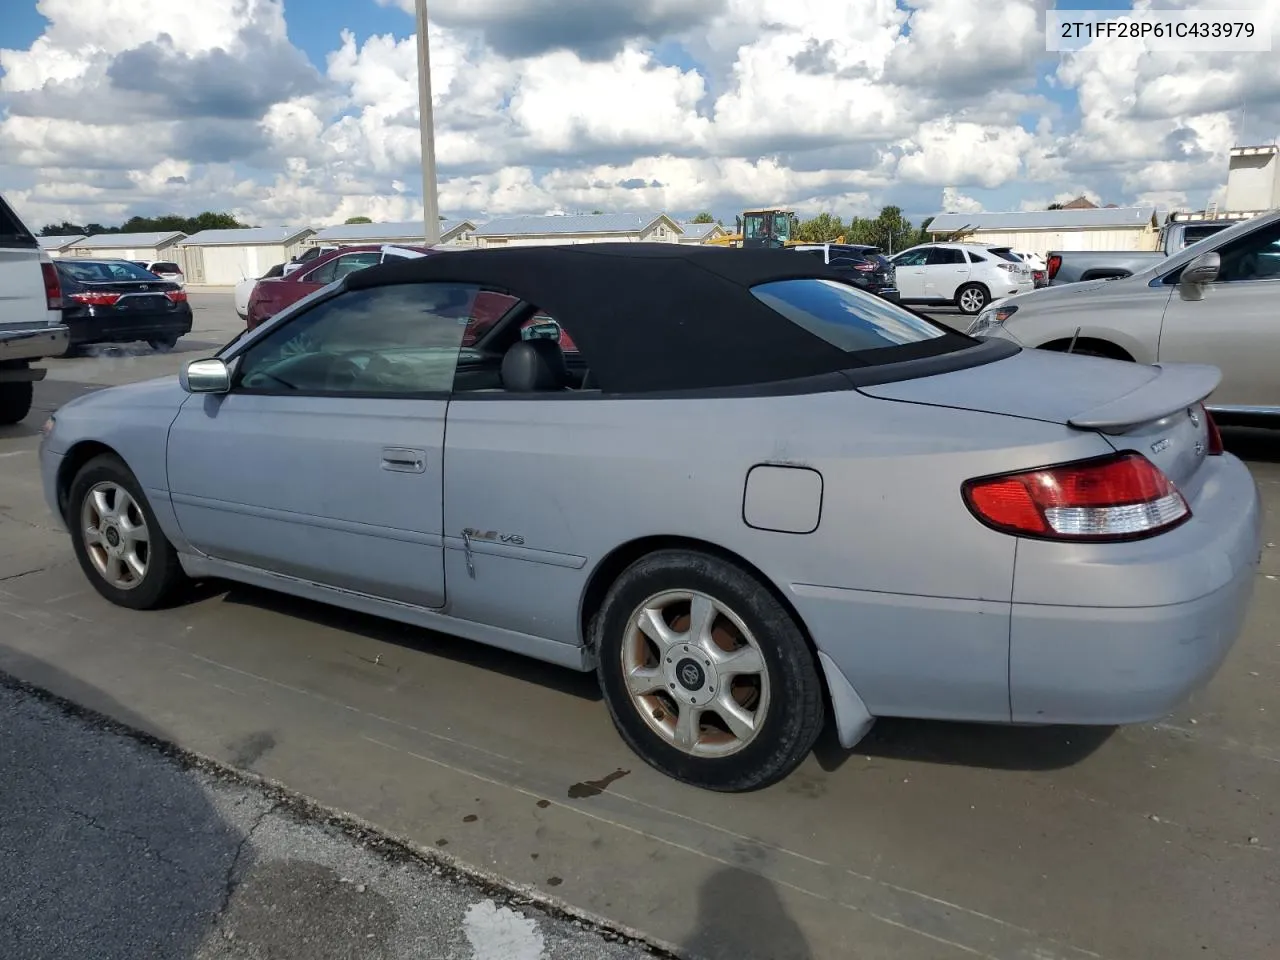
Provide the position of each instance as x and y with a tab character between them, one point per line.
31	326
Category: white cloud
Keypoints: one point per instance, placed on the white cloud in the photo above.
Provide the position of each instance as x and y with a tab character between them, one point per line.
953	201
609	104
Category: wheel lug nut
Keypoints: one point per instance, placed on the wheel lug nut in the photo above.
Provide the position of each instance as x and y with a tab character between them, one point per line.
673	686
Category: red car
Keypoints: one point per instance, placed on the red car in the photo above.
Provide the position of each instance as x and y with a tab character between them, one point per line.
271	295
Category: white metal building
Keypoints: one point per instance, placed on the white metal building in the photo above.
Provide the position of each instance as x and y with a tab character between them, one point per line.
1253	179
58	246
1039	231
702	232
533	231
225	257
128	246
411	232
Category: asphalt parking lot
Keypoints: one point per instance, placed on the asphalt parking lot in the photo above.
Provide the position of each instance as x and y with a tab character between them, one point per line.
931	841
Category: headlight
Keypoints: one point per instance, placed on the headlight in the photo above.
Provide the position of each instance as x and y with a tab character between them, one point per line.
994	316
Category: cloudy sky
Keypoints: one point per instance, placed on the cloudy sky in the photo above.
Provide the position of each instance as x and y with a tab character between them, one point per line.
305	111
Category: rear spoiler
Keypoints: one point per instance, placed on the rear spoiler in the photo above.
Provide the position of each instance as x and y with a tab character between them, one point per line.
1174	387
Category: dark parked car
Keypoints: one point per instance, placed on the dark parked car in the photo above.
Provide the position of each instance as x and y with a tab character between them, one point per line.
116	301
864	266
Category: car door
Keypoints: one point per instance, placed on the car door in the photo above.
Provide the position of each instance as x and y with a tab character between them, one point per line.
1233	322
324	461
945	271
909	270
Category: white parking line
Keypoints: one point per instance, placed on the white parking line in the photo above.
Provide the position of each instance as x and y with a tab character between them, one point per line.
499	933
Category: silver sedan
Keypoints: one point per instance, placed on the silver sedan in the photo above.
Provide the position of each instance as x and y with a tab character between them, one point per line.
750	497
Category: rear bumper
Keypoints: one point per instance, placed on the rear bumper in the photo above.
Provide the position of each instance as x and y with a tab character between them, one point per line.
1131	663
124	328
33	343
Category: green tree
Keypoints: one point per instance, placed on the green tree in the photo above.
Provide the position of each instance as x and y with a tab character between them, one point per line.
350	220
704	217
823	228
64	229
1054	206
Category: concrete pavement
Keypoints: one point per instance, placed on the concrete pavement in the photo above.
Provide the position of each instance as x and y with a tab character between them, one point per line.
113	850
931	841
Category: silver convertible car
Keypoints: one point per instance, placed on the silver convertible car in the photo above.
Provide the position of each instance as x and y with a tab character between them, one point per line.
751	497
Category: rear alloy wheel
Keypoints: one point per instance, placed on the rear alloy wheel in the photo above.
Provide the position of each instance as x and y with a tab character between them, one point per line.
15	401
706	675
971	298
117	539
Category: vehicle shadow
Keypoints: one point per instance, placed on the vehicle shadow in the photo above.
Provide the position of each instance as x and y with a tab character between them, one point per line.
433	643
982	745
740	917
1252	444
110	850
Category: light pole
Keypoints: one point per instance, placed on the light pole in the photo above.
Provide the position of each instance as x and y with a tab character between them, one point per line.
427	127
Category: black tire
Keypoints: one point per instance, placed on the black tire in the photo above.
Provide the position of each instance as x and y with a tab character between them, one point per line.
794	716
162	343
15	401
984	297
164	575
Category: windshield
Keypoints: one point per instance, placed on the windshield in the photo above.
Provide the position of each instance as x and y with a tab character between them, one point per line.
1004	253
104	271
844	316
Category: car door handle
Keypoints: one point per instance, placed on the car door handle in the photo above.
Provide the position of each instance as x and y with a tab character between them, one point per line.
404	460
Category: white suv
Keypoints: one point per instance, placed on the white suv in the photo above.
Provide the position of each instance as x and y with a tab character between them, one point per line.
31	324
965	275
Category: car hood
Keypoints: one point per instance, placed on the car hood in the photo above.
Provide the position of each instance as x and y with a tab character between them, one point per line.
162	392
1066	292
1087	392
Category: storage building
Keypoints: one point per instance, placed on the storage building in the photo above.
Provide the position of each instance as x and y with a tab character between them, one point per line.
128	246
1039	231
532	231
225	257
58	246
702	232
409	232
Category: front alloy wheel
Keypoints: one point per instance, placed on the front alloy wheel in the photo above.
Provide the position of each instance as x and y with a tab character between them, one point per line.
116	536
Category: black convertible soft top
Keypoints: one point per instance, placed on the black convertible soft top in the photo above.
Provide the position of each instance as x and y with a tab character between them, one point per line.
659	317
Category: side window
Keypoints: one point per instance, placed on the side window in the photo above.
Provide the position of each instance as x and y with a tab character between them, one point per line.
915	258
339	267
1255	257
974	258
945	255
400	340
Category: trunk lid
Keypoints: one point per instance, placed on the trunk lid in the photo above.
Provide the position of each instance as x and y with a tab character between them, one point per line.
1155	410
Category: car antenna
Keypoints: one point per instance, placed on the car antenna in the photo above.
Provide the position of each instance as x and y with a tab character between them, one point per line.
1074	337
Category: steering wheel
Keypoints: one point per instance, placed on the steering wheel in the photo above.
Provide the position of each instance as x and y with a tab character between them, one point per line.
345	370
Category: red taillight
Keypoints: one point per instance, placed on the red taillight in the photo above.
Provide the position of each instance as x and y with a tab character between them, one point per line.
1215	435
1120	497
1055	264
95	299
177	296
52	287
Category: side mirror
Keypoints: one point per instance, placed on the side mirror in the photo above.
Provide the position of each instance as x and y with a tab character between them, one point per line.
1203	269
205	376
544	328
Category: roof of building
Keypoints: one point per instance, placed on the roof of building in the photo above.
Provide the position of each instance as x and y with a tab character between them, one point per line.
698	231
123	241
559	225
400	230
1045	219
680	317
246	236
1080	203
54	243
